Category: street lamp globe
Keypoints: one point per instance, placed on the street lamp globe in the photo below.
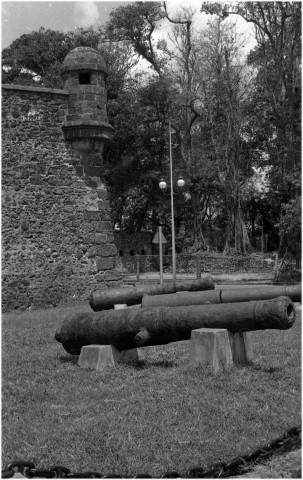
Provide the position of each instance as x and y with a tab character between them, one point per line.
162	184
180	182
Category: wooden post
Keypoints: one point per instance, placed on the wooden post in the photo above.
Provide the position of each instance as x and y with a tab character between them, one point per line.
138	266
276	267
198	267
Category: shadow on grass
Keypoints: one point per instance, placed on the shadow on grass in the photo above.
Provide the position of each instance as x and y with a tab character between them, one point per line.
69	359
142	364
137	365
271	369
165	364
146	364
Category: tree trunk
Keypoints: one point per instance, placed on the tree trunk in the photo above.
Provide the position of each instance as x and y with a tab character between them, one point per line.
236	232
199	241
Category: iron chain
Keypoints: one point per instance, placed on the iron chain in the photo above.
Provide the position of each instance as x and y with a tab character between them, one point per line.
290	440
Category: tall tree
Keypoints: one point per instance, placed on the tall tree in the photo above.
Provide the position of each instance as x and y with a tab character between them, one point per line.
226	88
175	62
136	23
277	60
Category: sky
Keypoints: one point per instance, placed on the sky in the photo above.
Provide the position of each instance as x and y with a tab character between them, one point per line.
21	17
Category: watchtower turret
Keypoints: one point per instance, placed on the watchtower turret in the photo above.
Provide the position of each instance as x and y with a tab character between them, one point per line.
86	126
86	130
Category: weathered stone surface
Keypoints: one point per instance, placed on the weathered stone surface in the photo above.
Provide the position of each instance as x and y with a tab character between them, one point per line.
91	215
84	75
106	250
44	199
112	276
210	347
241	348
98	357
106	263
103	226
95	238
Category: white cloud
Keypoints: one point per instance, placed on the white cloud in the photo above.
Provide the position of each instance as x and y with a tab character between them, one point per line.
173	6
85	14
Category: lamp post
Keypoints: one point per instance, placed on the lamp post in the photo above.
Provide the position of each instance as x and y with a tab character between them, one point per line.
162	185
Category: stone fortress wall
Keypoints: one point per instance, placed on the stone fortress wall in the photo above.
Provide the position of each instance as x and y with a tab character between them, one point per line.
57	235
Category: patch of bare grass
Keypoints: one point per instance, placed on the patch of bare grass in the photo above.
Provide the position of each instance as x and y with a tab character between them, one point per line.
151	416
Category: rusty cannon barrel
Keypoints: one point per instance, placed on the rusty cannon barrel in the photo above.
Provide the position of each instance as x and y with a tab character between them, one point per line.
106	299
229	295
129	328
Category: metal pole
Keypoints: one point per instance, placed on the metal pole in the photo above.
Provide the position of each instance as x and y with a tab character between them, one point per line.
161	255
172	208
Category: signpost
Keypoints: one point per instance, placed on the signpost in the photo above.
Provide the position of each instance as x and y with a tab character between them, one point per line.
159	238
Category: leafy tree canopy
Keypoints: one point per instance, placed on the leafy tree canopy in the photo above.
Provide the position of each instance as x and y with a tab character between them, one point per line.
36	58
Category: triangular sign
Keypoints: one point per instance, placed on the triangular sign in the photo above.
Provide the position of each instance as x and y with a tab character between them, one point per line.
156	238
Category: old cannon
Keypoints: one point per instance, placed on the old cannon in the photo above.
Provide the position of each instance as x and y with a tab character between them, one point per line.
230	295
129	328
106	299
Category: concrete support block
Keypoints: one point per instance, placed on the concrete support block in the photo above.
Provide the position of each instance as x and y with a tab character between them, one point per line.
241	348
97	357
211	346
120	306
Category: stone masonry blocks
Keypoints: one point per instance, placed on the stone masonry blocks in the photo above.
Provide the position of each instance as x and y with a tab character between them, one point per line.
103	250
56	206
106	263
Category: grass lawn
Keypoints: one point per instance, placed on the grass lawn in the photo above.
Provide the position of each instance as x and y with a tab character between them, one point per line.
157	415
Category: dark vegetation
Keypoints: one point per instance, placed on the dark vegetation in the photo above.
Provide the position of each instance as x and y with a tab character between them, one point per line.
233	113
